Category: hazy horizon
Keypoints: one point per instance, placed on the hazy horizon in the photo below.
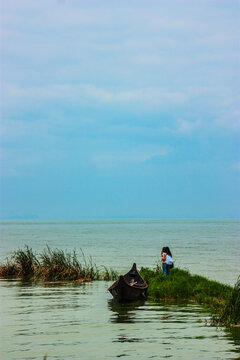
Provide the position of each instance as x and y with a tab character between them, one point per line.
33	218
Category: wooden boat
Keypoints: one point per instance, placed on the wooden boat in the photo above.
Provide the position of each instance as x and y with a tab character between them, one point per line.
128	287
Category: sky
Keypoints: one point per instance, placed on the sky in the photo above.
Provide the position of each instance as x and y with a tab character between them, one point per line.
120	109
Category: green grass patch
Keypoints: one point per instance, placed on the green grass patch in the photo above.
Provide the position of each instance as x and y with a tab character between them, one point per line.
181	285
53	265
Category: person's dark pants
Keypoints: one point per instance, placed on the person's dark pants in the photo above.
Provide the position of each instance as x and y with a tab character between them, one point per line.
166	269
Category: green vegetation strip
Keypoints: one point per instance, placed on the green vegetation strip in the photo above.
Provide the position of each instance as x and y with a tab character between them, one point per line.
59	265
53	265
181	285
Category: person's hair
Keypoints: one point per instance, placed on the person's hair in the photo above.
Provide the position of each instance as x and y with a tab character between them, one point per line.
163	249
168	251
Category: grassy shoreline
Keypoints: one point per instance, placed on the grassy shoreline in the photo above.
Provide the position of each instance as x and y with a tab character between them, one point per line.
53	265
224	300
61	266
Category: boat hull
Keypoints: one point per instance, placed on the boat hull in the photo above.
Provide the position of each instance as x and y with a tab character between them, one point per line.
128	287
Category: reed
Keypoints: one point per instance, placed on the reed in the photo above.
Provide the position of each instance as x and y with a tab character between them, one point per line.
22	263
59	265
109	274
8	270
25	261
53	265
230	314
181	285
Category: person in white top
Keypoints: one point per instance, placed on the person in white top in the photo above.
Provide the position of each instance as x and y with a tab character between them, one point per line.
169	260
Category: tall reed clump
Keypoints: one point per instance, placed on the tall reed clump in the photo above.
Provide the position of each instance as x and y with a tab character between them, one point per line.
8	270
54	265
180	285
231	312
59	265
26	261
22	263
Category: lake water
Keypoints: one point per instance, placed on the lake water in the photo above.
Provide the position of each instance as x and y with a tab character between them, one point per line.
81	321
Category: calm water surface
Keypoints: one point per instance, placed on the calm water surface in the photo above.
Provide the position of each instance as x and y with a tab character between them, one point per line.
81	321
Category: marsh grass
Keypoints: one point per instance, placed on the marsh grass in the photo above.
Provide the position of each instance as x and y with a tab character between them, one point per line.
230	314
59	265
181	285
25	261
22	263
8	270
109	274
53	265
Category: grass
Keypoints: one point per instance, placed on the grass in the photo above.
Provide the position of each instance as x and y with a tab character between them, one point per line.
230	314
22	263
181	285
53	265
59	265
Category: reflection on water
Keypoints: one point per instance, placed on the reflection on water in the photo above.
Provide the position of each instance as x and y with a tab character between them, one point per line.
233	335
81	321
124	312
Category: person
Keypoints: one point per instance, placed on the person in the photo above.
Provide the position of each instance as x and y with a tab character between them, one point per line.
166	259
163	260
169	260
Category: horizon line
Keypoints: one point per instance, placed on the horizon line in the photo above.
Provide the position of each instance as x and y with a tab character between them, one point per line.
117	218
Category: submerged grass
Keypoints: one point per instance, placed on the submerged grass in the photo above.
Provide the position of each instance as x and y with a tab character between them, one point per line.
181	285
53	265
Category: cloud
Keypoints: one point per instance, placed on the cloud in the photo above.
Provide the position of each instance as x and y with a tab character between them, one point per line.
94	86
130	156
87	92
148	96
187	127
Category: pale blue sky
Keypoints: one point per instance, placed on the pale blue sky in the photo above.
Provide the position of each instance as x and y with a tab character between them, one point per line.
120	108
